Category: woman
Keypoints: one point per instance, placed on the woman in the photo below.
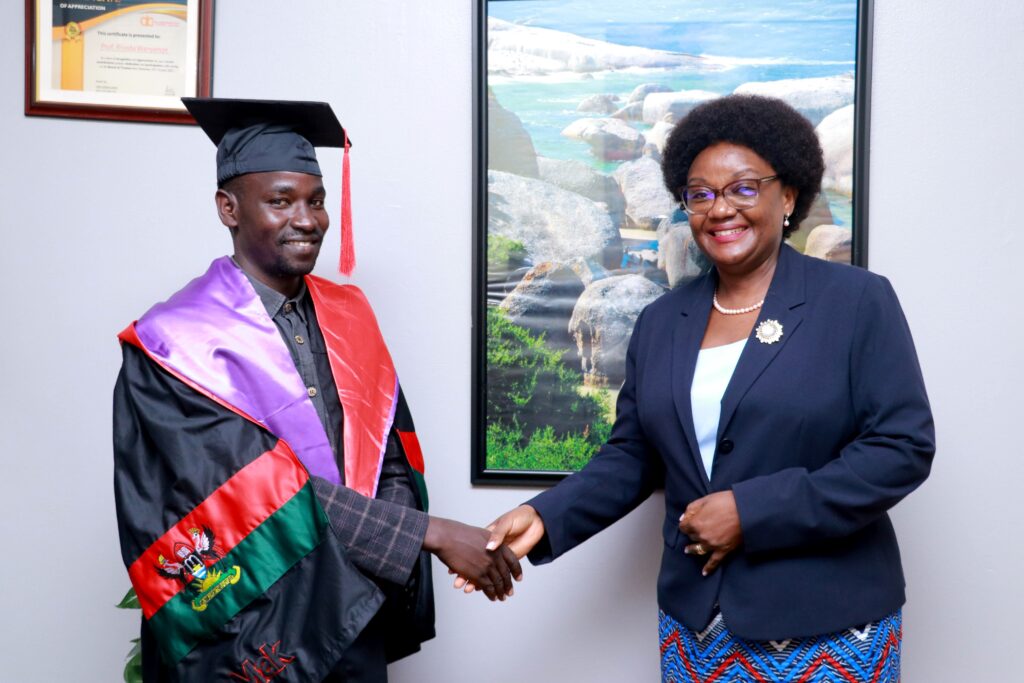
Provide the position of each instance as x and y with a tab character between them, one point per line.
779	401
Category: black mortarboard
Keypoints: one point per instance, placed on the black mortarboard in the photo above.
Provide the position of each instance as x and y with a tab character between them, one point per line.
256	136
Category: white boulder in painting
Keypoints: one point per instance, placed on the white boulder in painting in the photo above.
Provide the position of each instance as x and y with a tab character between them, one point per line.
603	321
609	139
647	200
658	134
552	224
815	98
831	243
581	178
672	106
643	90
599	104
835	132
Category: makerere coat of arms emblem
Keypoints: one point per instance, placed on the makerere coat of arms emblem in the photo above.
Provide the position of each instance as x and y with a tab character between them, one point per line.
197	568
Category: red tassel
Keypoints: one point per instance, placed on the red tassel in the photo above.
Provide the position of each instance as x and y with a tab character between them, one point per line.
348	252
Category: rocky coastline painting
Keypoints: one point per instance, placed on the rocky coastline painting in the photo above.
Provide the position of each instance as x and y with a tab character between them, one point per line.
579	233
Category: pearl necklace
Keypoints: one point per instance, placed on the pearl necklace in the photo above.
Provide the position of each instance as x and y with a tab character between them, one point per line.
734	311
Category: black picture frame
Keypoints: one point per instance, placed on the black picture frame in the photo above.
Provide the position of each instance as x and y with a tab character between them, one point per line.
481	472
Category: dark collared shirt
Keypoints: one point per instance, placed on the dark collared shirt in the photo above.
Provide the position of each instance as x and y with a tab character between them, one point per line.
296	320
383	535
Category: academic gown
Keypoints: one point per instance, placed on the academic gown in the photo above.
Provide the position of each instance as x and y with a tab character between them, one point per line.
264	588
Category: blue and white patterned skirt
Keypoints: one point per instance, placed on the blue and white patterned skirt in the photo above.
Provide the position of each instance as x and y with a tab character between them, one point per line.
869	654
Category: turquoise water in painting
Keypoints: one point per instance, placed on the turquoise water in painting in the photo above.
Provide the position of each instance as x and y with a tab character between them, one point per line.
807	30
747	40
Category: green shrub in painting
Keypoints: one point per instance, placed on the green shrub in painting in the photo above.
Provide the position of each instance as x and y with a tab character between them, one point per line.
543	451
537	419
504	254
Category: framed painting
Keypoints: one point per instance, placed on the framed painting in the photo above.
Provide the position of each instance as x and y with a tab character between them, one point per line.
574	231
127	60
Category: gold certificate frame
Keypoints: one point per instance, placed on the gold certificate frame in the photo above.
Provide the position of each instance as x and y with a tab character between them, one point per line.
125	60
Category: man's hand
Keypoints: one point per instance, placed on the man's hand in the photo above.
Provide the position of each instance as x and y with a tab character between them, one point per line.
465	550
521	528
713	525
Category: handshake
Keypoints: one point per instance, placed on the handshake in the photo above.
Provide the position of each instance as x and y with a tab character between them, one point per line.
485	559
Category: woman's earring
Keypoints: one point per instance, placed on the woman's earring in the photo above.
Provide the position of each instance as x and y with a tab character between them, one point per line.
785	220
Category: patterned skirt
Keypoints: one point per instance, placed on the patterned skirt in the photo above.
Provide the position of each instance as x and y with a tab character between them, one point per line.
869	654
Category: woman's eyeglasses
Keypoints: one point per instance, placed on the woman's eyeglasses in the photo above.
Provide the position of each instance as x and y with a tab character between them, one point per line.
741	194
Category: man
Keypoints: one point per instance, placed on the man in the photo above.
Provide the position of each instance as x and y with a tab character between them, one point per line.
268	478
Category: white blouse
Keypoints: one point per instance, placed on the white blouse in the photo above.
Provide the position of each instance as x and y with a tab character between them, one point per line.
715	366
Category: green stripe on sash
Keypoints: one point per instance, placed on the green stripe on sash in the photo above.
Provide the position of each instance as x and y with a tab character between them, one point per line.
245	573
421	484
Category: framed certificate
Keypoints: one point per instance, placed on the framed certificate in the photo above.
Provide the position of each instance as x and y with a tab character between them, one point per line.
129	60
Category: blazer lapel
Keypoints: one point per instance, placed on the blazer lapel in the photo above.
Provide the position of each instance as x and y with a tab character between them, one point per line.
782	304
686	339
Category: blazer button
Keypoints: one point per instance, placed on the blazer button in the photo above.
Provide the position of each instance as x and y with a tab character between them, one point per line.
725	447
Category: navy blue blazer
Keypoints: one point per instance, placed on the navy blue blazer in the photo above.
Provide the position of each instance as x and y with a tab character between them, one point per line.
820	434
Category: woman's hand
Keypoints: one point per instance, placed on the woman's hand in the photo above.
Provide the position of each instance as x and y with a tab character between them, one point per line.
521	529
713	524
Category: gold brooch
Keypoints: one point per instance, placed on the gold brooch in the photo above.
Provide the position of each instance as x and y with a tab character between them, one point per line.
769	331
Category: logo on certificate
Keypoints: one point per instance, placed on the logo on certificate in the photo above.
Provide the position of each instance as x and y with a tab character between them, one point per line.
72	31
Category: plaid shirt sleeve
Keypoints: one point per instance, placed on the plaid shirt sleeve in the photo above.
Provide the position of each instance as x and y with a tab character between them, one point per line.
383	535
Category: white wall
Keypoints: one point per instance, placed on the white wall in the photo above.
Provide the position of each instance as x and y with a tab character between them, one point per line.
946	115
102	219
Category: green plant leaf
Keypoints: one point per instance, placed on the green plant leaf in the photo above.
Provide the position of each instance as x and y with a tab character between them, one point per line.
129	601
133	667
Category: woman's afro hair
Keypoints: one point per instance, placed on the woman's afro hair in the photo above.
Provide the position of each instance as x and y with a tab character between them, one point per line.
775	131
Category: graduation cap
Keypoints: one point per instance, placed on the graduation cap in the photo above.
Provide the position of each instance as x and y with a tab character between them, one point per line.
256	136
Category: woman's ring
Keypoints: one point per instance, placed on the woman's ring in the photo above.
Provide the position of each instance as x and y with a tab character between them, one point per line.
699	549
